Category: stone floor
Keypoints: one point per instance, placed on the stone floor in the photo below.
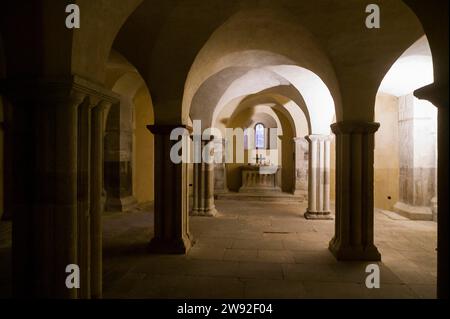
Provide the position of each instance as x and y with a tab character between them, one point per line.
265	250
256	250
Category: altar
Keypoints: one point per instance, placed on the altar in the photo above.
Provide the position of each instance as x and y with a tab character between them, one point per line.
260	179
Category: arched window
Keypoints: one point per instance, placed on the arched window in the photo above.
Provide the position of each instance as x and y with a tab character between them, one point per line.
260	138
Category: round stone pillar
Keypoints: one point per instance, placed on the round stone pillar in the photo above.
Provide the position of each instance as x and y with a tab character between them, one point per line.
353	239
319	177
203	197
171	196
220	170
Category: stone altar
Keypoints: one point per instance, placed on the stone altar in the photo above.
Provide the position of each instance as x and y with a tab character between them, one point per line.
260	179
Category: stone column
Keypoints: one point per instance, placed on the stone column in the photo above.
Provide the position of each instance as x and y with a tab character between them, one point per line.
220	169
319	177
171	196
418	158
97	133
118	157
55	201
44	188
203	195
84	196
353	239
301	167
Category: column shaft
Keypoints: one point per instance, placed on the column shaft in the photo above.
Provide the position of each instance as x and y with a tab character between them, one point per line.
84	197
171	197
353	239
319	177
220	170
97	131
55	189
44	188
203	202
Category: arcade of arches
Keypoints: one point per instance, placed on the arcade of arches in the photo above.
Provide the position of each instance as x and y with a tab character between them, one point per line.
343	132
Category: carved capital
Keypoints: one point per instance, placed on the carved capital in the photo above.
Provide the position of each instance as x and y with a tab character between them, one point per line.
354	127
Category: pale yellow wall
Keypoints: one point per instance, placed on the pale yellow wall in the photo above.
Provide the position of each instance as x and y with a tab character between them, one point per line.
386	166
386	160
143	171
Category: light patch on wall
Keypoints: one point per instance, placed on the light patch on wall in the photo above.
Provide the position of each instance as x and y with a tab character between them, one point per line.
407	75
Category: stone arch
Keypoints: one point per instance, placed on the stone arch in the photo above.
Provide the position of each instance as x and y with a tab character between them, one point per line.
216	93
435	23
256	46
122	151
285	96
408	128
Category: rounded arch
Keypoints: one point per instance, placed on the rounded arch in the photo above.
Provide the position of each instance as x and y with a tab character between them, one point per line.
411	71
260	113
234	84
100	20
245	41
280	105
407	133
129	146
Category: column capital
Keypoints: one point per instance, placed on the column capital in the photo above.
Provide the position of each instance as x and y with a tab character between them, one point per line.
167	128
56	89
104	105
359	127
318	138
435	93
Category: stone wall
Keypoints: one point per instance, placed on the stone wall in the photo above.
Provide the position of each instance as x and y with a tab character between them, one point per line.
405	156
387	141
418	157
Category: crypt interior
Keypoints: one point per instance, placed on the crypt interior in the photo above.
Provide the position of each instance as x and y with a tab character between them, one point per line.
343	131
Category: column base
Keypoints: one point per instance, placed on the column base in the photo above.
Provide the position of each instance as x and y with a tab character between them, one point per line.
205	213
122	204
354	253
170	246
318	215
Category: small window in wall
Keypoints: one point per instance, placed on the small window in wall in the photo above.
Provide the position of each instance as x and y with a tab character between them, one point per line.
260	138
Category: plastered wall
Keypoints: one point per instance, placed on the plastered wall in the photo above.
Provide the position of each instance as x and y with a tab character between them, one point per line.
143	155
386	159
